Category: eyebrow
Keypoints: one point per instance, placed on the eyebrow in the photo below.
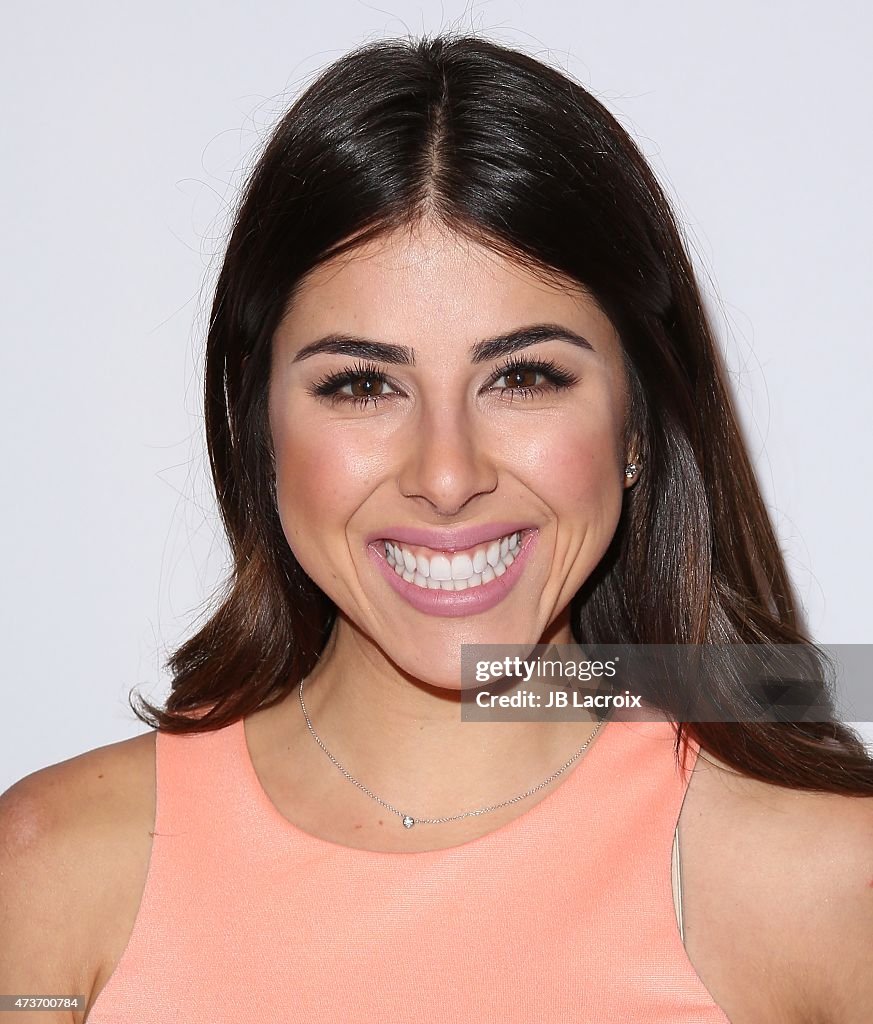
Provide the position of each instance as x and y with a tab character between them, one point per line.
480	352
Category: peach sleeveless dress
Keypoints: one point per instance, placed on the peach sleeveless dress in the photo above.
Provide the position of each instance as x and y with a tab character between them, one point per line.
564	914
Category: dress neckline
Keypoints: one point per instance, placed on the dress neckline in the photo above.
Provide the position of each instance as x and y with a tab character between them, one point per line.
550	807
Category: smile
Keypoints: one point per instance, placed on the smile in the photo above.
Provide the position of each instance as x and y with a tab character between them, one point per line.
454	582
461	571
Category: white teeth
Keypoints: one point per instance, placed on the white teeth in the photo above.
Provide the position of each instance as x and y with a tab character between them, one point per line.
459	572
440	568
462	567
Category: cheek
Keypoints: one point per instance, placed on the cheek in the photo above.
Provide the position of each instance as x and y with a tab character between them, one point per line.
577	464
319	479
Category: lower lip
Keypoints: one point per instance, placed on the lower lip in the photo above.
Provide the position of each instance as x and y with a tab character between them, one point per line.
460	602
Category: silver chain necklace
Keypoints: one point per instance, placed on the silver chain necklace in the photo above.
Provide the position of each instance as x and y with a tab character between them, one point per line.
407	819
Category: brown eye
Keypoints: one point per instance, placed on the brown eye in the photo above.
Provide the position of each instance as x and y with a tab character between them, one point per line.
526	378
521	378
362	384
366	386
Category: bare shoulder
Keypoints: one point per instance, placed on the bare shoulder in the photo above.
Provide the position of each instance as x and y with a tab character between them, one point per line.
780	887
75	841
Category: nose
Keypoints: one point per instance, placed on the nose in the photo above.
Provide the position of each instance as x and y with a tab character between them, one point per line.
447	460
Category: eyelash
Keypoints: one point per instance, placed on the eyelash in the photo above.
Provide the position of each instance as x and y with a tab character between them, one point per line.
329	385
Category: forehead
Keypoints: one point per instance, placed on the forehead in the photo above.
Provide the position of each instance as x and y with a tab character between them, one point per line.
431	282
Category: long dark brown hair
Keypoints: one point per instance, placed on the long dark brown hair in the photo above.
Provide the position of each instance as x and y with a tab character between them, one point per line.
507	151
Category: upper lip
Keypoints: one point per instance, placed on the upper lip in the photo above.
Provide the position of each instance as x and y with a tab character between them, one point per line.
457	539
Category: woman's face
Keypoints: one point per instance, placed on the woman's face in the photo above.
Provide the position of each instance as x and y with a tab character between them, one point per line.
429	393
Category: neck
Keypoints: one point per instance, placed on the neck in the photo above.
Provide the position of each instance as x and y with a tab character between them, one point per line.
405	740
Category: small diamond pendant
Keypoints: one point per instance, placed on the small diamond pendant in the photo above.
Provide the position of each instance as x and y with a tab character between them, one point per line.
408	822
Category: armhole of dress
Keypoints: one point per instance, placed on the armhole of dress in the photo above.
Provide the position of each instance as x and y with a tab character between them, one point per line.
677	884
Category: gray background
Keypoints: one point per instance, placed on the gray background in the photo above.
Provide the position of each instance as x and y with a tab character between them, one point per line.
127	131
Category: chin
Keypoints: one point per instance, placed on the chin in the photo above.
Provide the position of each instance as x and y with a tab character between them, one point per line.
437	661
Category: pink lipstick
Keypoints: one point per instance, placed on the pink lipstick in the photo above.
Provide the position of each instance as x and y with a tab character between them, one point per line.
453	603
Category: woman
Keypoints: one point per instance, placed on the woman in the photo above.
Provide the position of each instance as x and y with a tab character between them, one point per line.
456	339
